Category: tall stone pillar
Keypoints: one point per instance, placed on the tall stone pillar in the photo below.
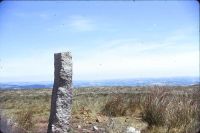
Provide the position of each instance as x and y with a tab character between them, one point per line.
61	100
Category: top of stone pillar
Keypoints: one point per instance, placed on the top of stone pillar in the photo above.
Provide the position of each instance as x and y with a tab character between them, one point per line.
63	68
63	54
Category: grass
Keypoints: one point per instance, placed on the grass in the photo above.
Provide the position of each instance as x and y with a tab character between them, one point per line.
150	109
176	113
26	107
25	119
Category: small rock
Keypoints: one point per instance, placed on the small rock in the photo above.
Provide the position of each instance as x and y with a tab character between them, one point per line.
85	113
95	128
102	129
85	131
99	119
77	117
132	130
88	122
79	126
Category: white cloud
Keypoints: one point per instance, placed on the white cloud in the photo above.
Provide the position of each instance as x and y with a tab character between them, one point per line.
44	16
185	64
80	23
128	58
38	15
75	24
120	58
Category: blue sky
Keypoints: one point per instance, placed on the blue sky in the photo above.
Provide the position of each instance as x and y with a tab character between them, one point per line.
107	40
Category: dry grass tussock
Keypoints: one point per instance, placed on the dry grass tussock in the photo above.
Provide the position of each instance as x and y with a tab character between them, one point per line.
163	110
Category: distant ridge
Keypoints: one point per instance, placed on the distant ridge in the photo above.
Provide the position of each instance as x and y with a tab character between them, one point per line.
179	81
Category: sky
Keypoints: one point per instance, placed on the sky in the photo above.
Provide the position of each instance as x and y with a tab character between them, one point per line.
108	40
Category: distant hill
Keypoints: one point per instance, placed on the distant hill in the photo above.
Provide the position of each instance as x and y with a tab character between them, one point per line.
24	86
177	81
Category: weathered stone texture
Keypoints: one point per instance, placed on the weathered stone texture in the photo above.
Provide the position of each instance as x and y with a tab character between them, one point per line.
61	100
